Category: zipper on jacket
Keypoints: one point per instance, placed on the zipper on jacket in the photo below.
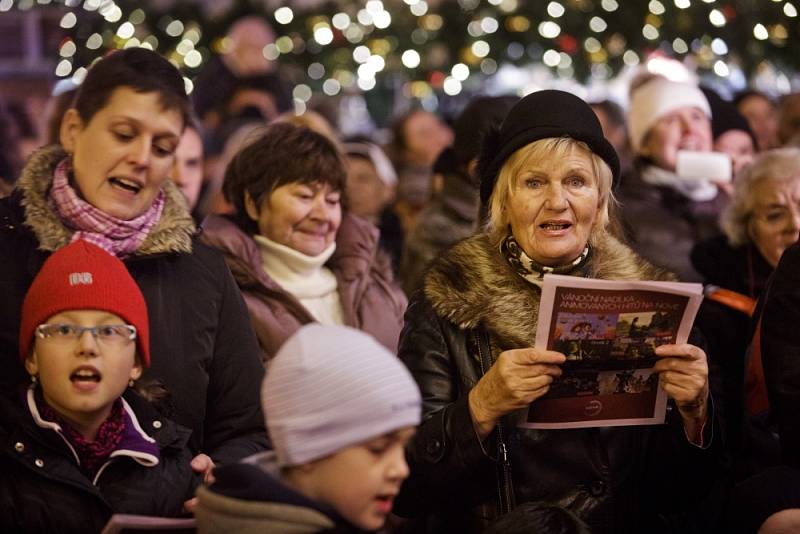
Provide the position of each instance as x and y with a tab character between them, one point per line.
507	504
505	492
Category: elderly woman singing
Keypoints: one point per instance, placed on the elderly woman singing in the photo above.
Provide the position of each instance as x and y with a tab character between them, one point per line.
546	176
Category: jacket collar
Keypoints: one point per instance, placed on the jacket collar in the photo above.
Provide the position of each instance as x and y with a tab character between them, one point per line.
474	285
356	247
172	234
136	443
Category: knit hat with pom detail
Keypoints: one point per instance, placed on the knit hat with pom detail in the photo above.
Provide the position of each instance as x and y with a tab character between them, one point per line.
330	387
83	276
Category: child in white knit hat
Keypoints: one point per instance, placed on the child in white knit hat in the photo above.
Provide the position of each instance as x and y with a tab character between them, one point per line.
339	409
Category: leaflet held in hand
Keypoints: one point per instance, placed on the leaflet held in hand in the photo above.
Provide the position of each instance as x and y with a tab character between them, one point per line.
608	330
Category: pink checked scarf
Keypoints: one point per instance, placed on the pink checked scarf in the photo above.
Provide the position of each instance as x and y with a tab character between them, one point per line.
118	237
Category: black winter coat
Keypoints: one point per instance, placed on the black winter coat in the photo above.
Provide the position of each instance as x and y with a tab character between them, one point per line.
204	351
729	332
625	479
780	351
42	489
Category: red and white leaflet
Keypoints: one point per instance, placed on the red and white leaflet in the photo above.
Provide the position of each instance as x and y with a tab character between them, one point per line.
608	330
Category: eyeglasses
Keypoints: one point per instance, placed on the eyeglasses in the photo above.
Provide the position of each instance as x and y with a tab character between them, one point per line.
111	334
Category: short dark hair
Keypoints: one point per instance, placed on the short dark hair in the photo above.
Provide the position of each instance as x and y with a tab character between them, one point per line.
283	154
613	111
743	95
140	69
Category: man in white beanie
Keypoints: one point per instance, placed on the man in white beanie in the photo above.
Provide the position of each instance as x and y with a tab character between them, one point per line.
340	409
666	214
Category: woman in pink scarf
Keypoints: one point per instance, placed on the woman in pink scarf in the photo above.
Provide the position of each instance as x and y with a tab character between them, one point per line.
107	183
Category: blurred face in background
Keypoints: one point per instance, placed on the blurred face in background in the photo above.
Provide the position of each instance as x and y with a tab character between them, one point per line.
789	119
616	134
367	195
762	117
739	146
425	137
687	128
775	222
187	171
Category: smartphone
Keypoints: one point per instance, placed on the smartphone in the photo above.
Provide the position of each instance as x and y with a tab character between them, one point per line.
714	166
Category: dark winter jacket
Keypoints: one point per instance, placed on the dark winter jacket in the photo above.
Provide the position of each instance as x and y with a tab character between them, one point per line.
663	225
249	498
370	299
203	350
475	305
728	331
780	351
43	489
450	217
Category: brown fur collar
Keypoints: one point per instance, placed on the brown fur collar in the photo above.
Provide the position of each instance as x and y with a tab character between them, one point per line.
473	285
172	233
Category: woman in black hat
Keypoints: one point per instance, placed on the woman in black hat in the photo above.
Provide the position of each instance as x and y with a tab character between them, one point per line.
546	177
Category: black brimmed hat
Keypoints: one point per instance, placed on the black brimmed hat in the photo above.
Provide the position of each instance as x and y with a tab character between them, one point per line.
542	115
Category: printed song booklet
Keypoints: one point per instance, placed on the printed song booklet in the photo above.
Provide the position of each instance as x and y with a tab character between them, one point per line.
608	330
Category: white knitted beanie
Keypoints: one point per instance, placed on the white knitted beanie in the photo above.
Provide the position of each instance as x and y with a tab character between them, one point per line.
330	387
655	99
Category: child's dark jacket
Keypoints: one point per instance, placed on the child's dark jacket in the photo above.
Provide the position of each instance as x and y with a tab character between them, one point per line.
43	489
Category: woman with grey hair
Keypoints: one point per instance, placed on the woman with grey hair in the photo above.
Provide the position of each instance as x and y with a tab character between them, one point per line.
761	221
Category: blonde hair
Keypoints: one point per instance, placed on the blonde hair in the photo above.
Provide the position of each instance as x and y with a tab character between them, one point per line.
778	165
555	148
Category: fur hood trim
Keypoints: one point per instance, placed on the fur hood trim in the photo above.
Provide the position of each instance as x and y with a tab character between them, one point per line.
172	234
473	285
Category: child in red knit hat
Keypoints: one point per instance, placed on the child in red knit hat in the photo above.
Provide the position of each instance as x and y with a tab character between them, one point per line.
79	444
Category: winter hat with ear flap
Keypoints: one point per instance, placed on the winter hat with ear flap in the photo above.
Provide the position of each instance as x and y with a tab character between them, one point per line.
542	115
83	276
330	387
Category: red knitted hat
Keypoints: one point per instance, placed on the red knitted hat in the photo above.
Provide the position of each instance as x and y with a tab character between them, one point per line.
83	276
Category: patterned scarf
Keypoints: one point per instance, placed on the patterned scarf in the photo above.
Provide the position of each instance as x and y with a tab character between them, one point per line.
532	271
92	454
118	237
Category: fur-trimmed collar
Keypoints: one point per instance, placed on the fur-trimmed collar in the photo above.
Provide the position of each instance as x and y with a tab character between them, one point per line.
171	234
473	285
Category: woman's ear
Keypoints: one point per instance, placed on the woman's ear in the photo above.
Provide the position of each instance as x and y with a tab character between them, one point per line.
71	126
250	206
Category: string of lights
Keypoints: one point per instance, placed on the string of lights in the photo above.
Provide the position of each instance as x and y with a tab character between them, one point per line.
439	45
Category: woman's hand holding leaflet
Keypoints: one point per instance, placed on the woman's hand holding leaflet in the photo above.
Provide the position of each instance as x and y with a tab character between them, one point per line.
683	375
517	378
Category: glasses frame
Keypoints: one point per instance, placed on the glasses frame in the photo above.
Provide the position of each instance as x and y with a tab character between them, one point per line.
83	329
